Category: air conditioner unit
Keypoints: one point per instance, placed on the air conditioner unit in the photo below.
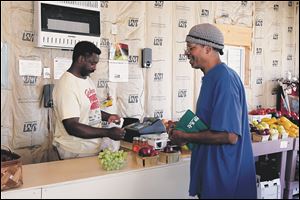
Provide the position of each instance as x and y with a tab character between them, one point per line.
61	24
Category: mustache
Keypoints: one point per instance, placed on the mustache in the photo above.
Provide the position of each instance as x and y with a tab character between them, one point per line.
191	58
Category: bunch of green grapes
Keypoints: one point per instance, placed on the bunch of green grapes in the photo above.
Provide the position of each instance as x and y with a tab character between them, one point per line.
112	160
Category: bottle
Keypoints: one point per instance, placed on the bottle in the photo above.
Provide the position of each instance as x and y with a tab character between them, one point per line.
144	142
136	144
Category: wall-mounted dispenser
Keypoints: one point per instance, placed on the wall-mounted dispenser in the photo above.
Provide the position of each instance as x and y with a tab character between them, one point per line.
146	57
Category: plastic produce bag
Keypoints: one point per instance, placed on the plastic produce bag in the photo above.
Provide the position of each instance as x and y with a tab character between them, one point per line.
108	143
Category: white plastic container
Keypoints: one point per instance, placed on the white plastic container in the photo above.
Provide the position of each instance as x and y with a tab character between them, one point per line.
258	117
268	189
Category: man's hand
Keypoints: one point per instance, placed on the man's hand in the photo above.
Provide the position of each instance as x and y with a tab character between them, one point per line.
177	137
116	133
114	118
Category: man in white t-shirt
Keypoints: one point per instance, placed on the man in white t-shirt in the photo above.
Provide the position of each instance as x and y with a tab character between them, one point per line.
78	131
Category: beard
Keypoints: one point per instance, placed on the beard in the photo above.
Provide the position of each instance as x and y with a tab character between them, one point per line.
193	63
86	72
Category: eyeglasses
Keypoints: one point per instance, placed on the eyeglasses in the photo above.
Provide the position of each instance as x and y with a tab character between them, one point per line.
189	49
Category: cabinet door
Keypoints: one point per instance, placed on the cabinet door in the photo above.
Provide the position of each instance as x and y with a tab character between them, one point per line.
169	181
22	194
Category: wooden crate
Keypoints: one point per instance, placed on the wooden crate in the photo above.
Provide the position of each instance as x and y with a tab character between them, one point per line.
146	161
169	157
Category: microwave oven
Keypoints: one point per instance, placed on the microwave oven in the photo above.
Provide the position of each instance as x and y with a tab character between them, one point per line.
61	24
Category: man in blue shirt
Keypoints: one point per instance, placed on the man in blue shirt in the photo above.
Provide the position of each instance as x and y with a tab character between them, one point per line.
222	163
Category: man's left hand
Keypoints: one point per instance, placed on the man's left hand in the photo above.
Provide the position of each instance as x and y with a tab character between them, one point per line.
177	137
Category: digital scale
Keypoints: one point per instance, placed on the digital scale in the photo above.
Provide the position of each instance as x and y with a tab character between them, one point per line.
148	126
158	141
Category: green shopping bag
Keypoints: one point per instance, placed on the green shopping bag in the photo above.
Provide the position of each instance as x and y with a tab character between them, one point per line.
190	123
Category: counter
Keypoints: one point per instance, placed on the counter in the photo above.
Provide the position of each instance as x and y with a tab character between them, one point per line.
84	178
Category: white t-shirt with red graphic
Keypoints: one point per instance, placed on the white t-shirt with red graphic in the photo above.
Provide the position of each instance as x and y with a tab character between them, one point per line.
76	97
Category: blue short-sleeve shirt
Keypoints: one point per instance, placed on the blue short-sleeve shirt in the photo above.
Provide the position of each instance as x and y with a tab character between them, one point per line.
223	171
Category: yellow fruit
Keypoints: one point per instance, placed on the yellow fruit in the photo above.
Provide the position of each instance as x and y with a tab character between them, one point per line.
272	121
185	147
283	119
294	126
265	119
294	130
273	126
287	126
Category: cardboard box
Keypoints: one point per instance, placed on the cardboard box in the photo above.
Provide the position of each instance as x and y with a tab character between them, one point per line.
259	138
268	189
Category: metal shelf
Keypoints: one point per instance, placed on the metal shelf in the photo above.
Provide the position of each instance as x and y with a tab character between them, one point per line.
291	183
276	146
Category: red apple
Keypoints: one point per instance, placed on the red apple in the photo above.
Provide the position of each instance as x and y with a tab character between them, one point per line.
154	153
294	115
288	114
268	110
253	112
273	110
261	111
168	149
145	152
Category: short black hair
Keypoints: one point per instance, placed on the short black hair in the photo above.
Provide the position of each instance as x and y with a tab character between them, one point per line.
84	48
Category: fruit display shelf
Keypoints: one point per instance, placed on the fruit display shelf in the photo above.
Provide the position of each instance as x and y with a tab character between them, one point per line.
272	146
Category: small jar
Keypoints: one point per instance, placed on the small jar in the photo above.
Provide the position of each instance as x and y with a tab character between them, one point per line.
135	140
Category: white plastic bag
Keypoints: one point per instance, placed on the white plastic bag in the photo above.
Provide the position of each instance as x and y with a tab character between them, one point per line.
110	144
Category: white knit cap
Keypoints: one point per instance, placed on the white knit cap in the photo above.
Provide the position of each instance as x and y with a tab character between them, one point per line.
206	34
